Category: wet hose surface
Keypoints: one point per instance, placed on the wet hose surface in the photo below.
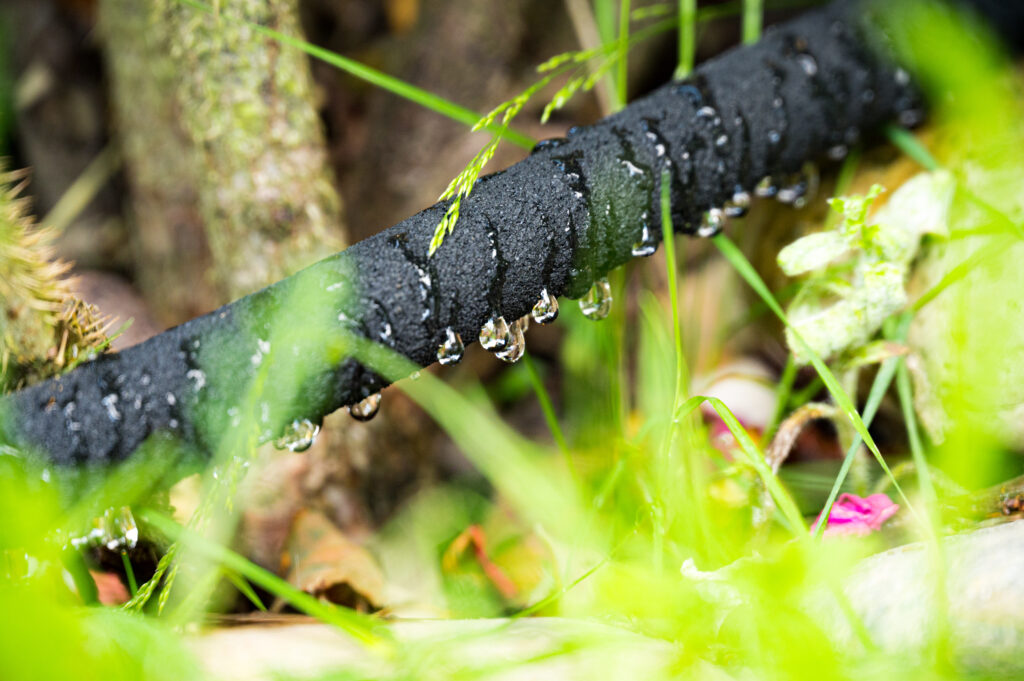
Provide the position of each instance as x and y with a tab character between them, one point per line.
569	213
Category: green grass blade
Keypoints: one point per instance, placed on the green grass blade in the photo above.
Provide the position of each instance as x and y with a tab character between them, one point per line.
687	52
783	391
962	269
621	81
133	586
880	386
752	20
84	189
548	408
843	401
244	588
364	629
672	270
914	436
754	457
905	141
396	86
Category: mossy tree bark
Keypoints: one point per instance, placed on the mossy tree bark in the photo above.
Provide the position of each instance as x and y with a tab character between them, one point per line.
231	190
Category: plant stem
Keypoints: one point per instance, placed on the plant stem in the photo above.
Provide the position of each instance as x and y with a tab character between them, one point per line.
687	38
752	20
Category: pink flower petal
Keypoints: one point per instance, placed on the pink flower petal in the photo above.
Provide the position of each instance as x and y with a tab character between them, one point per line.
853	515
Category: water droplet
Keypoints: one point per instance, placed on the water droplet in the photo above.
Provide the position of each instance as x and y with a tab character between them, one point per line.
125	531
516	343
791	192
647	245
545	310
597	302
774	137
549	144
452	349
808	64
262	348
110	404
633	170
711	222
414	376
692	94
766	188
198	376
494	334
299	435
721	140
901	76
838	152
867	96
738	205
368	407
116	529
799	188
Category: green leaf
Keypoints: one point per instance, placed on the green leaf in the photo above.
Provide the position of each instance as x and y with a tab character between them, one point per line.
812	252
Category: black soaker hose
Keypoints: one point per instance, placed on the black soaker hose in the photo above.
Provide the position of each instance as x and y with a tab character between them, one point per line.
569	213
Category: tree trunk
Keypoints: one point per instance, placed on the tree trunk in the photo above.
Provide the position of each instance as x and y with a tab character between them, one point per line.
231	189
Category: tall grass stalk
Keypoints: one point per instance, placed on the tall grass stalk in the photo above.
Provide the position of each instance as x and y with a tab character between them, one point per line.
753	11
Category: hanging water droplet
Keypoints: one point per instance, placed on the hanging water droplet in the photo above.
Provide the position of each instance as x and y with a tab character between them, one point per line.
738	205
711	222
451	351
707	112
597	302
721	140
298	436
545	310
792	191
494	334
120	529
116	529
766	188
365	409
516	345
647	244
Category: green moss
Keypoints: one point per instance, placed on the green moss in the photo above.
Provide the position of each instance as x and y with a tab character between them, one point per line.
233	112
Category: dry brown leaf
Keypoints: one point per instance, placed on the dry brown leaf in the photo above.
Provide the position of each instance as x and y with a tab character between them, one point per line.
322	561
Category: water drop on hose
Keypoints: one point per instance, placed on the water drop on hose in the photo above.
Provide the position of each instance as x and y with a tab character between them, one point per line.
597	302
452	349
